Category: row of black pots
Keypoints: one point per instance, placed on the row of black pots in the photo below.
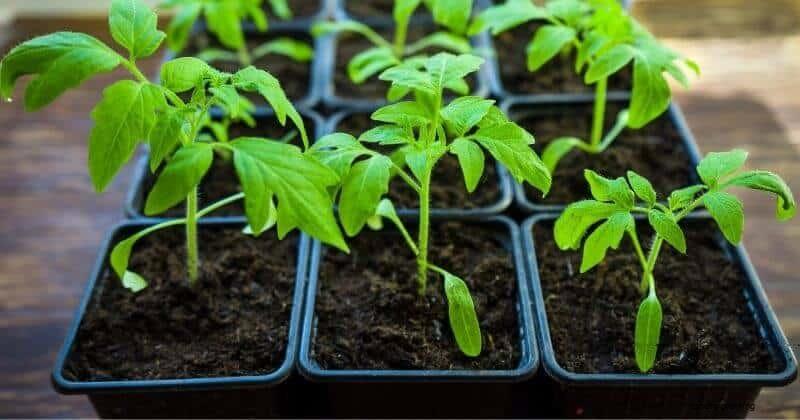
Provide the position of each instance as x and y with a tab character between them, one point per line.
524	391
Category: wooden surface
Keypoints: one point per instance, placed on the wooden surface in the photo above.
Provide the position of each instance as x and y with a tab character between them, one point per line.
51	222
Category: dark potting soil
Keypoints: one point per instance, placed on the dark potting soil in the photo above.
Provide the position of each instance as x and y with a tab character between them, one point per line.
447	185
371	317
707	326
299	8
655	152
557	76
221	180
235	322
349	45
295	77
372	8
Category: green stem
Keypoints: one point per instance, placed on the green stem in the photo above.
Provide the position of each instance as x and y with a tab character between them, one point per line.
648	280
599	111
192	259
424	227
400	34
244	56
131	66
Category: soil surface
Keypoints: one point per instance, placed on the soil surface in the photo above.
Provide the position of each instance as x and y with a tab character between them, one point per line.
447	186
235	322
299	8
655	152
295	77
221	180
557	76
349	45
707	327
371	317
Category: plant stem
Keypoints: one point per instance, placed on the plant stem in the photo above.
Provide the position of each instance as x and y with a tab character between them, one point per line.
192	259
648	280
400	34
599	112
424	227
244	56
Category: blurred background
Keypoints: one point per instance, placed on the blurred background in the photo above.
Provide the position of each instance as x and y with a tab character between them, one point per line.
51	222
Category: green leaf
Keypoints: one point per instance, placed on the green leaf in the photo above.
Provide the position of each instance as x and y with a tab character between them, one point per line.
387	135
405	114
296	50
666	227
605	189
548	41
134	26
557	149
771	183
167	133
362	190
125	116
650	96
299	182
593	43
510	145
465	112
235	105
609	63
648	332
442	41
505	16
453	14
181	25
679	199
463	319
251	79
715	165
271	220
728	212
223	21
183	74
471	159
577	218
409	77
369	62
58	61
183	172
445	68
281	9
643	188
608	235
119	258
325	28
338	151
403	9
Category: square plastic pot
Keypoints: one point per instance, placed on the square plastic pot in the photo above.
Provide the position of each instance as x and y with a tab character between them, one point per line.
514	107
426	393
244	396
326	52
142	176
506	185
659	395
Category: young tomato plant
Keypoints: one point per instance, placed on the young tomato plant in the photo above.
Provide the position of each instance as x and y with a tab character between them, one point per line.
421	131
605	39
134	111
616	201
452	14
224	19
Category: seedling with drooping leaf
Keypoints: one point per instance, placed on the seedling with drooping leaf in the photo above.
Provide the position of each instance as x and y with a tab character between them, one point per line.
605	39
453	14
421	131
135	111
617	201
224	19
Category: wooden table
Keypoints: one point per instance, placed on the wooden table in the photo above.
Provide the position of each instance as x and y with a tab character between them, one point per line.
51	222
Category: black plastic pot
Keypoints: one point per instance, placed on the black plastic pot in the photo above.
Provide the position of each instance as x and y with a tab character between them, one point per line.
516	107
327	57
659	395
246	396
142	176
504	179
426	393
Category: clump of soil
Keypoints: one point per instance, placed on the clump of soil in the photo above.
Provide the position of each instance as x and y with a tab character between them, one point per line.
295	77
557	76
447	185
707	326
368	303
221	180
235	322
299	8
655	152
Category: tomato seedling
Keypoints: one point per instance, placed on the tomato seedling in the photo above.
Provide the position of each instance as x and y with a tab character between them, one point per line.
605	40
224	19
616	201
135	111
421	131
452	14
